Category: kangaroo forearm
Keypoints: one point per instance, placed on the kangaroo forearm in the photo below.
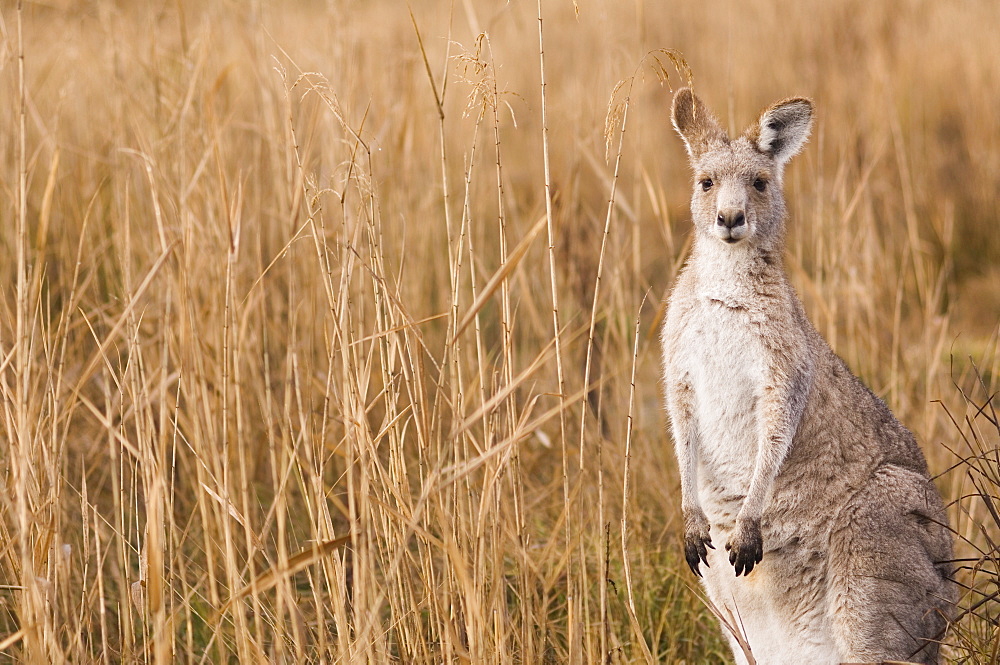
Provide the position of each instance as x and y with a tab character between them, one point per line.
685	441
688	467
781	411
769	460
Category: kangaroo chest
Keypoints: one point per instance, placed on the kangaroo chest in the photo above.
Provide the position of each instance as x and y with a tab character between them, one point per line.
725	363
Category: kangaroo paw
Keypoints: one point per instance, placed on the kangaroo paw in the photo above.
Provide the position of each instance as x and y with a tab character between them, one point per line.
745	546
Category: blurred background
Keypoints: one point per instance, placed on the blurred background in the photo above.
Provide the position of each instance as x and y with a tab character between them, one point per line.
316	345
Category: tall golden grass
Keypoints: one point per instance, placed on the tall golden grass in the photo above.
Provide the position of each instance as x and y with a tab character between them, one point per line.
318	345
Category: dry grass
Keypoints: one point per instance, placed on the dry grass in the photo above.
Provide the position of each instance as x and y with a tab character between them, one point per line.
317	345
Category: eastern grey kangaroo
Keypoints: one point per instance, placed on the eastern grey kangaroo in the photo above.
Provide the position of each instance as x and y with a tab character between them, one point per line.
836	543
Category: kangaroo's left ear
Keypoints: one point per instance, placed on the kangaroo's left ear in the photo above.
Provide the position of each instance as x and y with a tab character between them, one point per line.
783	128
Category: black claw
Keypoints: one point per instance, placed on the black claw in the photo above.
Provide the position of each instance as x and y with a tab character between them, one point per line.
695	553
746	551
691	554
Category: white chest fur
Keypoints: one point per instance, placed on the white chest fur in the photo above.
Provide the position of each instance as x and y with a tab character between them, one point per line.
724	362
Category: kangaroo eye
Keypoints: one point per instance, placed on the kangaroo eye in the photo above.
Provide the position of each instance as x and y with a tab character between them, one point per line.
706	184
759	184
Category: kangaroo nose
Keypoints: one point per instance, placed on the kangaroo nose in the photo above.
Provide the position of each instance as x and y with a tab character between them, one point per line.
731	218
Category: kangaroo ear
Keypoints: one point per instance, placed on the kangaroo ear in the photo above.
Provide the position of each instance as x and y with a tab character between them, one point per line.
694	122
783	128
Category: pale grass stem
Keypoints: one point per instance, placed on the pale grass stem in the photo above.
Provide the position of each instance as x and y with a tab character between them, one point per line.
573	639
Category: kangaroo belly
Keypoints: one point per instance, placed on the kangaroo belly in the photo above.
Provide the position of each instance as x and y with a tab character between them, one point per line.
778	610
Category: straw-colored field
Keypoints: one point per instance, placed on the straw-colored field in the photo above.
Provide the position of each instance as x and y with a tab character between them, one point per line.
318	345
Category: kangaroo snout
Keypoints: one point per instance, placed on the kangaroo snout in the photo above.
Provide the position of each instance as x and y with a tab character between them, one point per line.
731	225
731	218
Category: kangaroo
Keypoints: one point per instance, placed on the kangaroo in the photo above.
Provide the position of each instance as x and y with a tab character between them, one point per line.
837	546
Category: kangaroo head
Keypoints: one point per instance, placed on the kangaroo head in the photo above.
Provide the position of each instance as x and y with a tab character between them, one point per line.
737	195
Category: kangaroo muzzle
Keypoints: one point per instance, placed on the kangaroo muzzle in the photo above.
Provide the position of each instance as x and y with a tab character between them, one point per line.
731	225
731	218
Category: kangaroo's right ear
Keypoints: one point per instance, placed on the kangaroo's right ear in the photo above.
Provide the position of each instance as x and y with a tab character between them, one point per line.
695	123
